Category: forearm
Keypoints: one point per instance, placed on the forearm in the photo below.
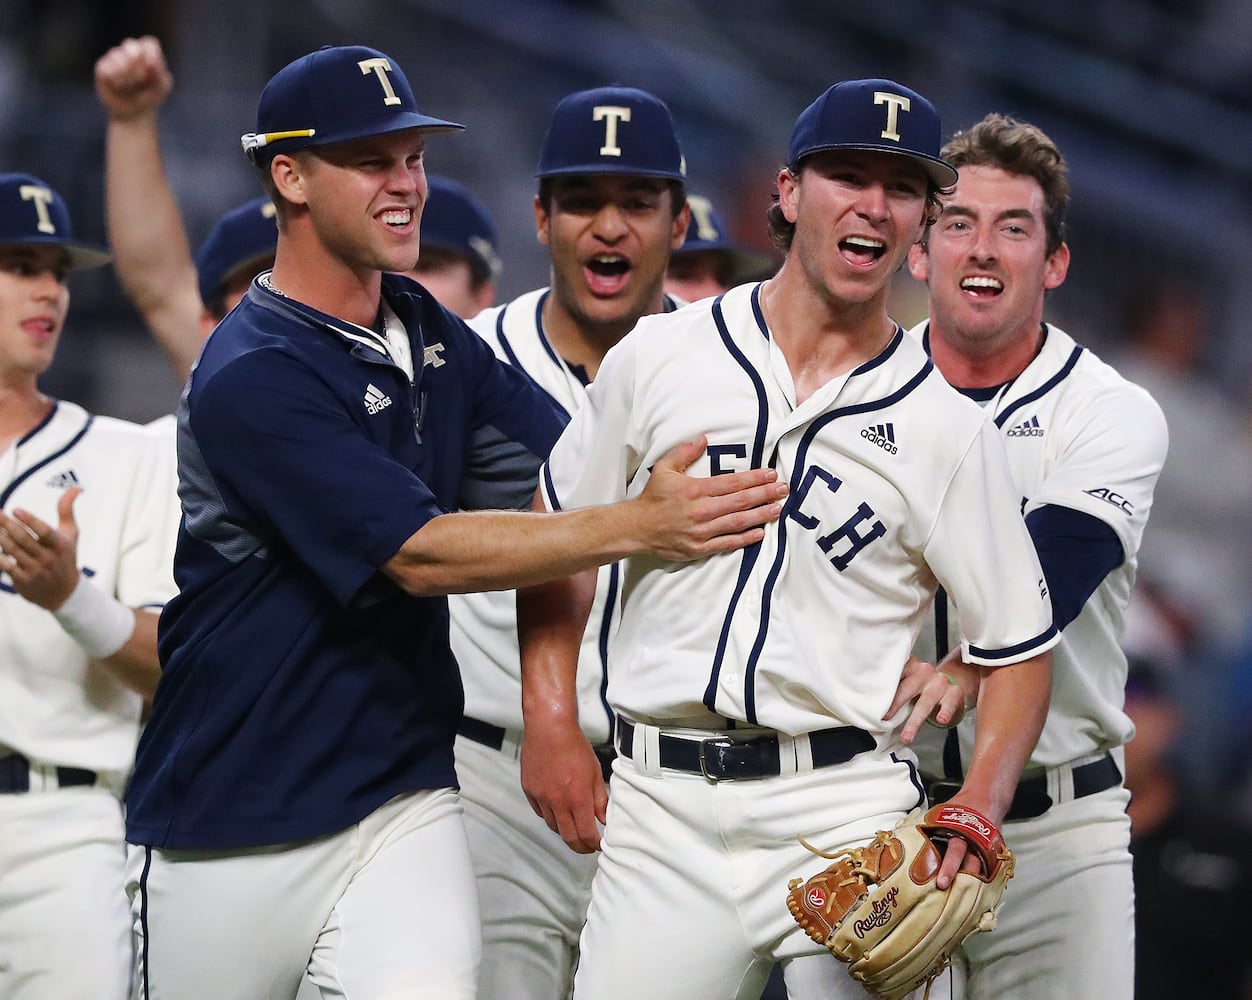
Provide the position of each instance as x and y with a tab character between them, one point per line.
676	517
470	551
560	772
137	664
152	256
123	640
551	618
1012	706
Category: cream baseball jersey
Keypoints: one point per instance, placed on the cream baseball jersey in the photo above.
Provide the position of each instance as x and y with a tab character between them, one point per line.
897	484
1079	436
54	707
484	626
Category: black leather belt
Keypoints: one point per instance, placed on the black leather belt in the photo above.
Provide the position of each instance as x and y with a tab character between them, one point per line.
15	775
727	756
1031	798
493	736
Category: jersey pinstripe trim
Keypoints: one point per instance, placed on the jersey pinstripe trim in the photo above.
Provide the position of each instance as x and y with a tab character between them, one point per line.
1009	652
44	462
1044	389
796	496
752	552
607	621
511	354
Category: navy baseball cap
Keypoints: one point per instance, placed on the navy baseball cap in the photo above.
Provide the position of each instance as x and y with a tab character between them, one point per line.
454	220
878	115
244	236
708	233
612	130
33	214
336	94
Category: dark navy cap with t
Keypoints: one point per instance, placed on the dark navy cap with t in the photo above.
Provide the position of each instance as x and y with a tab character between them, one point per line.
878	115
244	236
33	214
707	232
456	221
612	130
336	94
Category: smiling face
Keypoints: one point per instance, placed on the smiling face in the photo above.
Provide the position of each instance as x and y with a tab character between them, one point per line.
365	199
33	304
609	237
986	261
856	213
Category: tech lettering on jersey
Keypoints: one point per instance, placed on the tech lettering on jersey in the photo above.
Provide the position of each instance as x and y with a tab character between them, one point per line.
895	104
41	197
610	114
380	68
848	532
431	356
719	451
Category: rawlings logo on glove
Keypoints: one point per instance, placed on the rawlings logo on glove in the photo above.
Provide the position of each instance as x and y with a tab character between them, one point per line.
877	908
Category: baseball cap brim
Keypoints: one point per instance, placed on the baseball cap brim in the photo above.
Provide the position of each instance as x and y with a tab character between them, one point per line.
401	121
592	169
941	172
81	255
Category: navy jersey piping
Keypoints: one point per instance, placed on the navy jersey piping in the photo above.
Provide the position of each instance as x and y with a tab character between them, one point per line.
516	362
752	552
1044	389
606	623
1021	647
39	426
749	673
44	462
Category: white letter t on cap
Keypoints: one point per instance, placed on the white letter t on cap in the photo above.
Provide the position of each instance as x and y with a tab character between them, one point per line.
380	68
41	196
895	104
611	114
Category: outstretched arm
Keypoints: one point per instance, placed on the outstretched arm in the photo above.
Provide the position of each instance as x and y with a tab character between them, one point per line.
150	250
677	517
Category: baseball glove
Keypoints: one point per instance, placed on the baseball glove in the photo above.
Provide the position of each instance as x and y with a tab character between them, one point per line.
877	908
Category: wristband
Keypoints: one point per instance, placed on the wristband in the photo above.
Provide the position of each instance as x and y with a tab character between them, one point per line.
99	623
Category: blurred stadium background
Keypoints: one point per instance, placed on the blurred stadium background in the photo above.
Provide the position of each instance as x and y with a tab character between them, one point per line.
1149	99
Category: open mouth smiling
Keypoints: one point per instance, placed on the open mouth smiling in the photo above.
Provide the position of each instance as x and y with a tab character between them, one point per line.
606	273
862	249
982	286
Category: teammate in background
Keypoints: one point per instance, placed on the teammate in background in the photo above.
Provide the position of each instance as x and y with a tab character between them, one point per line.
459	264
1085	448
182	300
298	760
611	207
77	647
710	262
775	665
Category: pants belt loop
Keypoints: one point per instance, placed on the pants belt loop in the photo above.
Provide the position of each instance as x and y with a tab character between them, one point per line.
511	745
1061	783
795	754
43	778
647	749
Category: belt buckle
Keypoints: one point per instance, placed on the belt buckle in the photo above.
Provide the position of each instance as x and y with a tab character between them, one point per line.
721	743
